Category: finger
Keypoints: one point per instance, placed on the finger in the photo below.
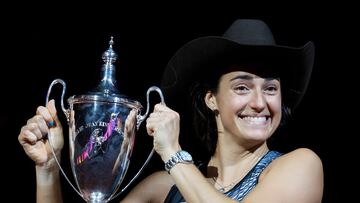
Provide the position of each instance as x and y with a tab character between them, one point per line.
52	109
44	112
27	137
161	107
35	129
156	117
150	128
153	115
41	124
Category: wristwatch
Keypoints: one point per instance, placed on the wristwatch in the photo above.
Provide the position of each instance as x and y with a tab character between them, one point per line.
180	157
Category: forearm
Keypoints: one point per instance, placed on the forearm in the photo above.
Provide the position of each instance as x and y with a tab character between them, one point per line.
48	188
194	187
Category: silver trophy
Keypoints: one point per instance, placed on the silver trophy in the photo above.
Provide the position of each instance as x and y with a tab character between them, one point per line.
102	128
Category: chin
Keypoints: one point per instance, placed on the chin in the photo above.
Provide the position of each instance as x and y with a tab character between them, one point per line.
259	135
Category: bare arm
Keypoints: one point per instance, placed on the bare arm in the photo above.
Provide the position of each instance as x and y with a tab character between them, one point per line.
152	189
296	177
48	187
194	187
32	138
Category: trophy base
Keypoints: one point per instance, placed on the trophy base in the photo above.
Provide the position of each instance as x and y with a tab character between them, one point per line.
97	197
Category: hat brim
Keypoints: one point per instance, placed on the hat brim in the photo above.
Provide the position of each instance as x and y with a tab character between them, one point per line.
207	55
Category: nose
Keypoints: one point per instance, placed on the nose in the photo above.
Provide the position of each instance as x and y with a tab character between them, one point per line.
257	101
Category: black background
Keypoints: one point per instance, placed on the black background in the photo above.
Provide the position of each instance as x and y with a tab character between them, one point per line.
67	42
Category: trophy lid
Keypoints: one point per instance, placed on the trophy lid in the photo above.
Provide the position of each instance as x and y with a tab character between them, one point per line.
106	90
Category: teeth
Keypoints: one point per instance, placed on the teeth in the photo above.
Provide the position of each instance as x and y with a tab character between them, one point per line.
255	120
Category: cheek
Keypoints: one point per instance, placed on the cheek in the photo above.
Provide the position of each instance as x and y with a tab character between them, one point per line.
274	102
232	105
274	105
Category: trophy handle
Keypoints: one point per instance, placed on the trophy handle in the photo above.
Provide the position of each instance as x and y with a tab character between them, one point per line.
140	119
67	114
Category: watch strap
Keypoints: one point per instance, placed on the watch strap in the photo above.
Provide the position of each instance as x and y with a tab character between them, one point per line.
179	157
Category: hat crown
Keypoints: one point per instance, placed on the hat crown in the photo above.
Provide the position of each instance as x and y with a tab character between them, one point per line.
250	32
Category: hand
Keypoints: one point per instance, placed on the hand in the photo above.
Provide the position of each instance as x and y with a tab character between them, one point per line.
164	125
33	138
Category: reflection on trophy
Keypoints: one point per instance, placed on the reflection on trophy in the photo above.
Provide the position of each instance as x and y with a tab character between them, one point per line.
102	134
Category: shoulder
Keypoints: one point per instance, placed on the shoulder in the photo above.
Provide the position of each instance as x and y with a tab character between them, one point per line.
295	176
305	155
302	159
153	188
301	165
299	160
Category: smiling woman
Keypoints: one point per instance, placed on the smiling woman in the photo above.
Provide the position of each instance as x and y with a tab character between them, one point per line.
239	86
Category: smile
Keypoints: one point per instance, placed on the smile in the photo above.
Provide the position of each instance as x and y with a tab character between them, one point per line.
255	120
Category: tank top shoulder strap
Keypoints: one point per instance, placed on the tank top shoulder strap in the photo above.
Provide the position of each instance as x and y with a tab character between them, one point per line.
241	189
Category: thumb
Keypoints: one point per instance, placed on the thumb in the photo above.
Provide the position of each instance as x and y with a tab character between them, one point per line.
52	109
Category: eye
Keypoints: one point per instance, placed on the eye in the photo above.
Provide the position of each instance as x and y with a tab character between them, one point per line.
271	89
241	89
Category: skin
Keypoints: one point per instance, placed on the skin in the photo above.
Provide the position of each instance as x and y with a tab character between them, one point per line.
31	138
248	111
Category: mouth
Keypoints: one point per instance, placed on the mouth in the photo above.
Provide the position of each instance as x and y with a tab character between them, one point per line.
255	120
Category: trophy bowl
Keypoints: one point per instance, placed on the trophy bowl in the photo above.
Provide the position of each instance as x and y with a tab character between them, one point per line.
102	136
102	131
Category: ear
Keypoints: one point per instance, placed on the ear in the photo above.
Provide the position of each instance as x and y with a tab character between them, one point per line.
210	101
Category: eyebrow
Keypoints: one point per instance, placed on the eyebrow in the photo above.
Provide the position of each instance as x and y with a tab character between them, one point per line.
249	77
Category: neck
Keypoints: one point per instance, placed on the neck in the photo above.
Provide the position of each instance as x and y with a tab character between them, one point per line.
228	165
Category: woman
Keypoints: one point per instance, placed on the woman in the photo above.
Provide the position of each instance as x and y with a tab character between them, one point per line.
241	85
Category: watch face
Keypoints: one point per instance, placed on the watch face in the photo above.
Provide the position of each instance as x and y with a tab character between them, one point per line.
185	156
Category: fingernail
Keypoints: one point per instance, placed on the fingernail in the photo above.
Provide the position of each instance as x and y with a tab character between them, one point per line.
52	124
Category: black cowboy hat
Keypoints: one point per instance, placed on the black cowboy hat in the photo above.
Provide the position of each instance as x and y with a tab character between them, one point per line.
247	45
